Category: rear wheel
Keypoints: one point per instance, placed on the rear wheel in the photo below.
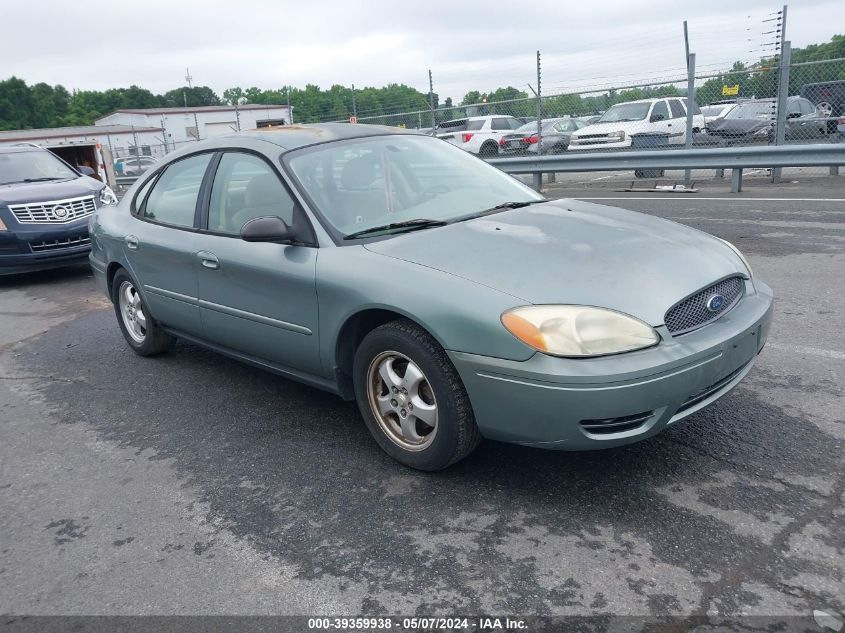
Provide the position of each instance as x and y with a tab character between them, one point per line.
488	150
412	399
143	334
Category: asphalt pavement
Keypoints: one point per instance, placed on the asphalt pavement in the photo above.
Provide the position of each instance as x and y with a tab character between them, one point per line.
191	484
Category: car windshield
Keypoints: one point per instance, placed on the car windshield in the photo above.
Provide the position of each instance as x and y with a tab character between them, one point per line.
758	110
712	110
625	112
528	128
32	167
358	184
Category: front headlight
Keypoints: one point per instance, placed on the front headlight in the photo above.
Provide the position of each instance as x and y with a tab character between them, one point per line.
107	196
2	225
738	254
764	131
578	331
620	135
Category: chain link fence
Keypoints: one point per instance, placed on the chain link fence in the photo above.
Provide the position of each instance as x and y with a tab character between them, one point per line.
771	102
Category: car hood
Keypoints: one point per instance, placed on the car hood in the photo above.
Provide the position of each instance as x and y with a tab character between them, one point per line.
572	252
737	126
23	193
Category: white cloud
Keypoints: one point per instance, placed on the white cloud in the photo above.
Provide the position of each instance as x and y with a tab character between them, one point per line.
468	45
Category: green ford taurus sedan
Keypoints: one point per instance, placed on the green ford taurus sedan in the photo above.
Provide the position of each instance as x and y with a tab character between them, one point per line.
449	300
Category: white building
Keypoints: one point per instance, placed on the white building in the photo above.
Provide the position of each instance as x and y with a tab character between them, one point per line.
183	125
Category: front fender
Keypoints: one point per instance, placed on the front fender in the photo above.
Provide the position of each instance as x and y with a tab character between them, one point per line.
460	314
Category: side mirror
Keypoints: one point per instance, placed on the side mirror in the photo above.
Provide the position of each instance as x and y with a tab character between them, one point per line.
656	117
269	228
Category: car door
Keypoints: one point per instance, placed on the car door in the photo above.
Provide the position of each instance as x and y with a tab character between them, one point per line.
159	242
259	299
659	121
677	121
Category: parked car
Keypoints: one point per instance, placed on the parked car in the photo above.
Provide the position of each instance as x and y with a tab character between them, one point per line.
133	165
433	297
553	140
45	206
716	110
478	135
829	99
754	121
615	127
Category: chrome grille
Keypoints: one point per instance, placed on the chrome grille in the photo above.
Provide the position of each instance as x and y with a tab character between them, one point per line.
72	241
693	313
54	211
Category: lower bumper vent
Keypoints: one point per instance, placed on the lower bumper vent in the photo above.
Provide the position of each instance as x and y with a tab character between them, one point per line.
609	426
712	389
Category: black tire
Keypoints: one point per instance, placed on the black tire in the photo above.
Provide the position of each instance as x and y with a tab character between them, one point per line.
156	340
488	150
457	433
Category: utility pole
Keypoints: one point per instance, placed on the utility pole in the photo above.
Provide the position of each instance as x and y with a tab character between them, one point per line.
164	134
290	109
431	98
354	105
688	172
237	114
538	177
185	99
188	77
783	89
690	106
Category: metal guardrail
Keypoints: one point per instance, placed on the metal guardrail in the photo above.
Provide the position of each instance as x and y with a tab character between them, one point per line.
734	158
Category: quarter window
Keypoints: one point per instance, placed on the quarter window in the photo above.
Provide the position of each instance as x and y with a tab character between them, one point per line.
245	188
173	199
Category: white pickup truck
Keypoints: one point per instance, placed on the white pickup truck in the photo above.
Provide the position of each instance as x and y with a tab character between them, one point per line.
479	135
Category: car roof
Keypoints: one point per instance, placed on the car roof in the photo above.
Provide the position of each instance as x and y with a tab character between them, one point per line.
17	149
290	137
650	100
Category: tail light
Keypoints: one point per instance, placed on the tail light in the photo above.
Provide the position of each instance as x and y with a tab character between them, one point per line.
466	136
502	142
531	139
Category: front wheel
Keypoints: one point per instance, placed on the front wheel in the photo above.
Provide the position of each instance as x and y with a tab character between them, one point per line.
143	334
412	399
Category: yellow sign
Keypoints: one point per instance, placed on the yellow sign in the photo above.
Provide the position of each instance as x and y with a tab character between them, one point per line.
730	91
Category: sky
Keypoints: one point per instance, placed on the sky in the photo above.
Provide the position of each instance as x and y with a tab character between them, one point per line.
467	45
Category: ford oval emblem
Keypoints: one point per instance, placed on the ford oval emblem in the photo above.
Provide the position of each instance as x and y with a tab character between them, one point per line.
715	303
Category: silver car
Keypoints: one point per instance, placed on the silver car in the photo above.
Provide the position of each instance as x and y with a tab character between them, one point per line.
449	300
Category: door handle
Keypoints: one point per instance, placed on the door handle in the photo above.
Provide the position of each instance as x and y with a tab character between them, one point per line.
209	260
131	242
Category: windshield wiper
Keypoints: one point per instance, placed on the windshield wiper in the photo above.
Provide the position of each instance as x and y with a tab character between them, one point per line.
397	227
500	207
43	179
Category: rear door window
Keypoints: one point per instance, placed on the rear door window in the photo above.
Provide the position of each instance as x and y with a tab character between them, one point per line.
475	125
678	110
173	198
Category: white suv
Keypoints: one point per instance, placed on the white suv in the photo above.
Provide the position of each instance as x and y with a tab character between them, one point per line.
479	135
647	116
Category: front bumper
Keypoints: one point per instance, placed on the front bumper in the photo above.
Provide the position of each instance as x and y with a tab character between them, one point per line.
581	404
27	248
603	143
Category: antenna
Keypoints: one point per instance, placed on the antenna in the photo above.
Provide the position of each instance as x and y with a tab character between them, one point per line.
188	77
